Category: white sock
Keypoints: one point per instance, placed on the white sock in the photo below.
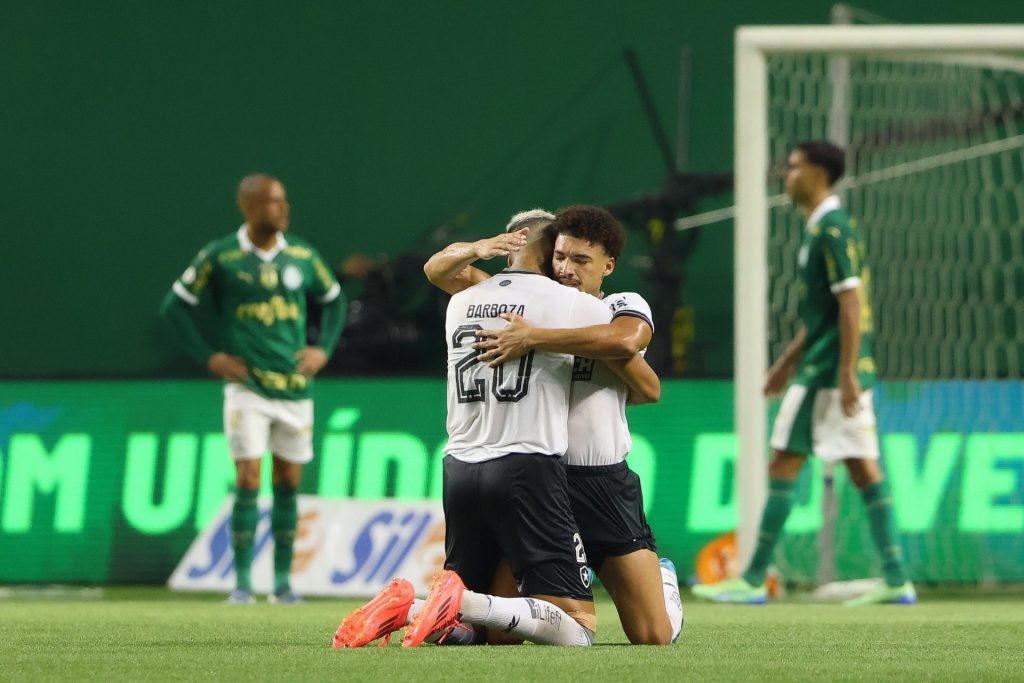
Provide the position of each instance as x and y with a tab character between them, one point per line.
673	601
417	605
530	619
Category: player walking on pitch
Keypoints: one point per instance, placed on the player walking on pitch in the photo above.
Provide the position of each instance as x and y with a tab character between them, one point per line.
827	409
258	282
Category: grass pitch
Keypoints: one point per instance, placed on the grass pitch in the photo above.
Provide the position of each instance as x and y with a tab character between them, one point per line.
134	634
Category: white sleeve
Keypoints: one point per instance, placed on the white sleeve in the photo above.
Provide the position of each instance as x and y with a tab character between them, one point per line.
588	310
631	304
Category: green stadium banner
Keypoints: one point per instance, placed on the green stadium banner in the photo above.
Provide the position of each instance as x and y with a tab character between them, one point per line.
110	481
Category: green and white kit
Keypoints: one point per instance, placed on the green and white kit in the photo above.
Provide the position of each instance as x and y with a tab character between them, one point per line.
811	419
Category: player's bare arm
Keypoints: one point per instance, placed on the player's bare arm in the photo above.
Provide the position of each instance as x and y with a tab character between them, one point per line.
644	384
782	370
849	348
226	366
623	337
450	271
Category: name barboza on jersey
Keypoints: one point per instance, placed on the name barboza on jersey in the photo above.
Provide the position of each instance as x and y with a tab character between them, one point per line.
494	310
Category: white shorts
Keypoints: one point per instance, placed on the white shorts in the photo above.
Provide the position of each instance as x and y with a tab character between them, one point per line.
254	423
812	421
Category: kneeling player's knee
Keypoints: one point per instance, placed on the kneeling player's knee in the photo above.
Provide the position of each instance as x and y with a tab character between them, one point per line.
650	633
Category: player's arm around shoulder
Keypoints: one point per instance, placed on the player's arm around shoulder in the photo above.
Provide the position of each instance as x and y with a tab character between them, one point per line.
587	332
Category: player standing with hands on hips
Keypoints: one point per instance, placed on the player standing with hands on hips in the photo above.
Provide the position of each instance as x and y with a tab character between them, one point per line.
258	282
827	409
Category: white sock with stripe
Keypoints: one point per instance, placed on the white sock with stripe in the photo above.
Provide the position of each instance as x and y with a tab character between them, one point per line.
528	618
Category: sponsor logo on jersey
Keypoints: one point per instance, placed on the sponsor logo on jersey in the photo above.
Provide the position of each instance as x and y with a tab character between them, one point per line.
291	276
494	310
582	369
618	305
504	283
268	312
279	381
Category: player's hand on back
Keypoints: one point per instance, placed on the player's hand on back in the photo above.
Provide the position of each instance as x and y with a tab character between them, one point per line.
312	360
501	245
226	366
500	346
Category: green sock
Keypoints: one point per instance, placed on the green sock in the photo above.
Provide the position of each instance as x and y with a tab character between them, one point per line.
878	501
283	519
243	532
776	510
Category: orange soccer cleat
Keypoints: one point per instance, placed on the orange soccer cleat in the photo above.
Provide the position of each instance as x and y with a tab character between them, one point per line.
439	612
380	617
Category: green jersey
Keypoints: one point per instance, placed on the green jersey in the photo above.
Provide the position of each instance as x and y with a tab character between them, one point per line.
260	298
831	261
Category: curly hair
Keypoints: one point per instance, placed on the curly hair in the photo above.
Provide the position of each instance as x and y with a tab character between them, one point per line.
591	223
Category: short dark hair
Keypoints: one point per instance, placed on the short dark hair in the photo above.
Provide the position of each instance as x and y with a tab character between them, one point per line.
591	223
826	155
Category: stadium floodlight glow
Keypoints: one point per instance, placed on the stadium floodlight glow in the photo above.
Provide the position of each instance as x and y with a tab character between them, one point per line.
984	47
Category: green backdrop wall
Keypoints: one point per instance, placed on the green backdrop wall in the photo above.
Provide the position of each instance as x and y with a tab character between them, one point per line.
126	125
110	481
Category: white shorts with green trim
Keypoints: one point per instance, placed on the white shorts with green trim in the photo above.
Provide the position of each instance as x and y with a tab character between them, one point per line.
253	424
811	421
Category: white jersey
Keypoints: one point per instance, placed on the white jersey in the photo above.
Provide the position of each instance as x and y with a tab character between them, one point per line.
598	430
523	405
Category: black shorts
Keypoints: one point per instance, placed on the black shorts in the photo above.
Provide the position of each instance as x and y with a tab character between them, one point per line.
609	508
515	507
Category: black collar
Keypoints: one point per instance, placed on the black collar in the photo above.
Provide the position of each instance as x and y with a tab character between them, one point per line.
509	271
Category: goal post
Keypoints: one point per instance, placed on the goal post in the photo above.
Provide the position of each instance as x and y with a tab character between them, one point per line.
982	47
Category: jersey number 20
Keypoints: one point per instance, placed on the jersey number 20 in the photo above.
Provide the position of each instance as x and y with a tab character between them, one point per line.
470	390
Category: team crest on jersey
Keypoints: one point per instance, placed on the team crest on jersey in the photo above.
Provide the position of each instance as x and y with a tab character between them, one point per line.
268	275
291	276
